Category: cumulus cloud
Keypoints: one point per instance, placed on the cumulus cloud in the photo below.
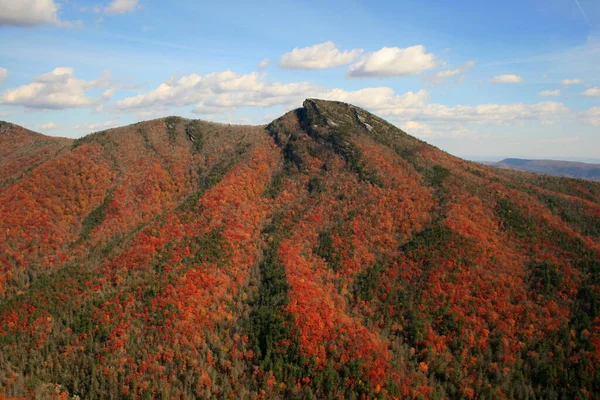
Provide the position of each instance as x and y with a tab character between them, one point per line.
591	116
194	88
3	74
382	100
319	56
50	126
32	12
507	78
483	114
440	130
121	6
591	92
570	82
549	93
226	92
547	112
459	73
264	63
270	94
416	128
393	61
58	89
267	95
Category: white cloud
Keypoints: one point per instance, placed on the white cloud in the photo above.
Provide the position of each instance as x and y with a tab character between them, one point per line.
483	114
95	126
4	113
570	82
440	130
416	128
264	63
549	93
50	126
441	77
58	89
121	6
218	90
32	12
108	93
265	95
547	112
226	92
417	108
591	116
507	78
382	100
319	56
3	74
393	61
591	92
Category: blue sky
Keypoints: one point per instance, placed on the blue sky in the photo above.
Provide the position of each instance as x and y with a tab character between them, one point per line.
478	79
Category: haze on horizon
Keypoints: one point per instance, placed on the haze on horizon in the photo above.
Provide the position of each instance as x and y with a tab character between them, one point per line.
478	80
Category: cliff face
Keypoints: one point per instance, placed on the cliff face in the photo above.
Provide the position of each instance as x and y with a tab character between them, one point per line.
328	254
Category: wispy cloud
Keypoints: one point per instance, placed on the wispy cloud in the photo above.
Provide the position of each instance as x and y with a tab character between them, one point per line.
441	77
95	126
524	60
121	6
507	78
583	12
149	41
549	93
264	63
569	82
575	55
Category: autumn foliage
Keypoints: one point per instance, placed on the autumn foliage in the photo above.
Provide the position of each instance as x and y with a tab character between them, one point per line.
326	255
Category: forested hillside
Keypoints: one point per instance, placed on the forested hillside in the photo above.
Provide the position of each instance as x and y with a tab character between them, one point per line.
326	255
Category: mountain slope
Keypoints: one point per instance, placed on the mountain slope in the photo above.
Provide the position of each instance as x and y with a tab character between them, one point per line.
553	167
328	254
22	150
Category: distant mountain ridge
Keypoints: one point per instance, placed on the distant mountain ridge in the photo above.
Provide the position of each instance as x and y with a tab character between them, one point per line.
328	254
571	169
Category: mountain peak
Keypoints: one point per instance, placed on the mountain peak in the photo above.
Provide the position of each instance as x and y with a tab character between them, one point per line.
326	255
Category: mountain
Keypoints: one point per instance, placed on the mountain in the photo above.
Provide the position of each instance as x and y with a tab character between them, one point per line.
22	150
553	167
326	255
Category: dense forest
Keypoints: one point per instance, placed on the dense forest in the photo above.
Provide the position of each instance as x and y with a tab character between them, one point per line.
326	255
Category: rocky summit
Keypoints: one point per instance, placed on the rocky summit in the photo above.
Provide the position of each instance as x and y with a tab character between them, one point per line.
327	254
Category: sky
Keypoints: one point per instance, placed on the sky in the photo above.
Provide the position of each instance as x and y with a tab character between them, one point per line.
479	79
